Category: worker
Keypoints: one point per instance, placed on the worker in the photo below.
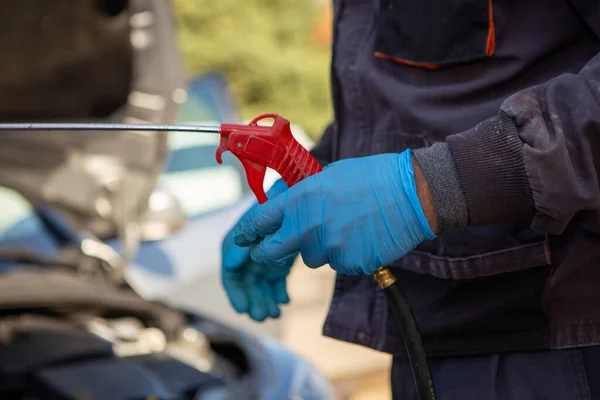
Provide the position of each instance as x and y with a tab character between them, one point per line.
464	154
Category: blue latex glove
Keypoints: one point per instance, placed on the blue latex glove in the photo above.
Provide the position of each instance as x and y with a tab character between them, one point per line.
356	215
254	288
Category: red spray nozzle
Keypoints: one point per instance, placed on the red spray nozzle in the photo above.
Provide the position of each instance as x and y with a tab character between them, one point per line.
259	147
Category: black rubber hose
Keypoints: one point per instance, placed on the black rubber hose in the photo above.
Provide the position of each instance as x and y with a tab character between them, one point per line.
417	357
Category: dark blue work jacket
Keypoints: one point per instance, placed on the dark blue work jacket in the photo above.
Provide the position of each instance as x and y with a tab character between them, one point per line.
509	90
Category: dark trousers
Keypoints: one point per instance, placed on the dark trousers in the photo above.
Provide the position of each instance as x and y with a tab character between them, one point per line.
572	374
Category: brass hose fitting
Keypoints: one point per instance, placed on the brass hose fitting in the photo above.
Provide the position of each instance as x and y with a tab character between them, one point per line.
384	277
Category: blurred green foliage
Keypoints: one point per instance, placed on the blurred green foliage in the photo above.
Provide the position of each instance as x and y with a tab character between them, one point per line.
266	51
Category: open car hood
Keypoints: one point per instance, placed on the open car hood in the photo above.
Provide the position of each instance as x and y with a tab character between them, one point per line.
87	60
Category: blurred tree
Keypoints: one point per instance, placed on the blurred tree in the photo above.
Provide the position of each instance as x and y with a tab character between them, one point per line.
267	51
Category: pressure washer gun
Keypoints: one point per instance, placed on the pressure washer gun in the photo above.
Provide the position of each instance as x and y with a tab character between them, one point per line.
259	147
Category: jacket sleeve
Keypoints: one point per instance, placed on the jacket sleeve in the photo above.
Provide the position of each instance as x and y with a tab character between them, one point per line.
323	150
536	162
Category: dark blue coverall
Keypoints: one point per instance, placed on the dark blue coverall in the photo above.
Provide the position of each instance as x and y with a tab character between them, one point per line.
501	101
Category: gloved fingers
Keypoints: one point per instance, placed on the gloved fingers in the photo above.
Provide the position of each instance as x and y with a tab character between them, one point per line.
270	300
259	222
258	305
313	259
312	252
280	291
258	272
262	302
233	279
275	250
236	291
344	265
277	188
233	256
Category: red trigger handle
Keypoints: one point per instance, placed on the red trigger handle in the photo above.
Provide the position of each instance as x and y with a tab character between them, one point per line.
259	147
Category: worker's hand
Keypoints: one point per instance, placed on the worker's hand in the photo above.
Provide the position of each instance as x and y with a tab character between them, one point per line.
254	288
356	215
